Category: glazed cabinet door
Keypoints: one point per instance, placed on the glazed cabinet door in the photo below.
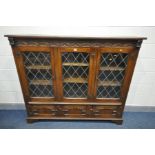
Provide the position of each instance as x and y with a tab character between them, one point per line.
76	73
112	65
36	71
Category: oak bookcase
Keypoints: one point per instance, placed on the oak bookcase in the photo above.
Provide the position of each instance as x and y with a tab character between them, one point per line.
76	78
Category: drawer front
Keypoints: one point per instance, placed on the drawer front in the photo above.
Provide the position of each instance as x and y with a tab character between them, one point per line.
74	111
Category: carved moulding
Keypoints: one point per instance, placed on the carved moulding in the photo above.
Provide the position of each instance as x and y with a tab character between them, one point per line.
70	43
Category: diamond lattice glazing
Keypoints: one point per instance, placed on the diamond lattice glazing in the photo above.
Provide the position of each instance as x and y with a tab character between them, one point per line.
111	74
75	74
39	73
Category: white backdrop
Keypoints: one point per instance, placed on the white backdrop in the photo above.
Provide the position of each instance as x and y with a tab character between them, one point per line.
142	89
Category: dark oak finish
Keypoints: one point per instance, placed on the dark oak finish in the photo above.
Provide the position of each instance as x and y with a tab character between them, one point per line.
75	78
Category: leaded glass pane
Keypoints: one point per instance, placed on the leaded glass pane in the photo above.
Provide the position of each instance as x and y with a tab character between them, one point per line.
75	74
39	73
111	74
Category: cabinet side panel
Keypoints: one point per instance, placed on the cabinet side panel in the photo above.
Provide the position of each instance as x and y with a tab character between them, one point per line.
128	75
21	73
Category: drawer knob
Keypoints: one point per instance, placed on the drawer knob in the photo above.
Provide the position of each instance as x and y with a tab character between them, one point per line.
83	112
53	110
96	112
114	112
65	110
35	112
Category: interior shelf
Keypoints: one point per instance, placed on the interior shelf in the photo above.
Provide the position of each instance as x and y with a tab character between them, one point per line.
41	82
109	83
38	67
75	64
75	80
112	68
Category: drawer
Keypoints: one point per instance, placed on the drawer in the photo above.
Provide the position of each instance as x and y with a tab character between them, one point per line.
74	111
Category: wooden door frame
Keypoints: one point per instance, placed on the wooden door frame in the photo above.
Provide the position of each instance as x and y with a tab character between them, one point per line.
22	74
127	50
59	73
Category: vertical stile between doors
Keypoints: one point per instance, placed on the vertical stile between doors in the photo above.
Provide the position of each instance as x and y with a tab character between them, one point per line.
97	60
58	73
92	73
53	72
